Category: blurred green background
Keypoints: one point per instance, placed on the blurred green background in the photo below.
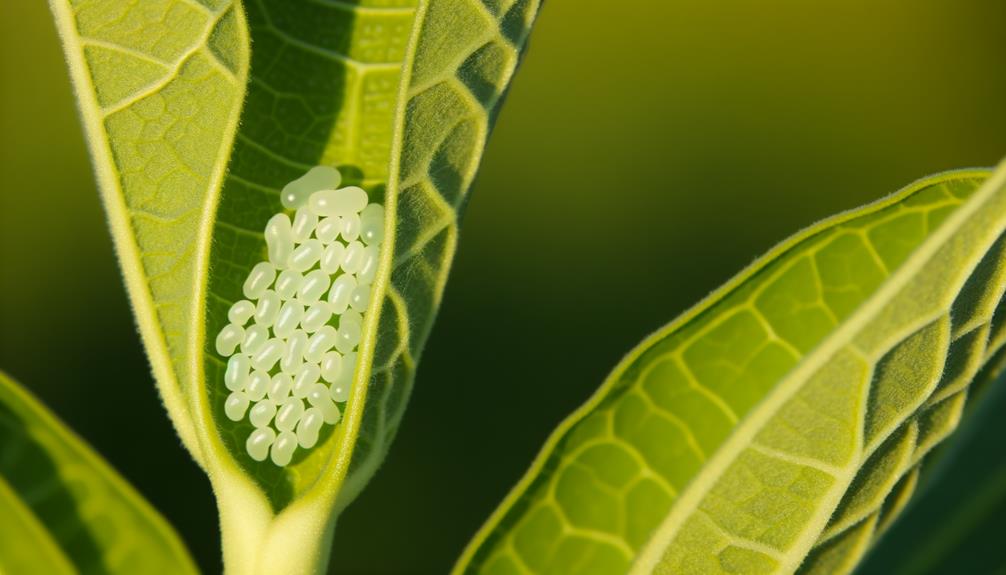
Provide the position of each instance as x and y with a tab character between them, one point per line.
648	150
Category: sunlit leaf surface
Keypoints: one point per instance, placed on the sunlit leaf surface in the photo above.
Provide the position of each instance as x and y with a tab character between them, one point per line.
778	425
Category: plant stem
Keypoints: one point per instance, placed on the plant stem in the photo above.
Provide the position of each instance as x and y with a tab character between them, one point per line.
297	541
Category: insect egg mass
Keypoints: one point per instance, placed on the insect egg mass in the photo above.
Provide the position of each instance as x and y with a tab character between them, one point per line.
291	343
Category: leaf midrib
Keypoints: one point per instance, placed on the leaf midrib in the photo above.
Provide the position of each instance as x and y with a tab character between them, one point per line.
688	501
332	483
688	316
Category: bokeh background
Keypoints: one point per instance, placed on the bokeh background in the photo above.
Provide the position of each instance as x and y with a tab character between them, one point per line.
648	150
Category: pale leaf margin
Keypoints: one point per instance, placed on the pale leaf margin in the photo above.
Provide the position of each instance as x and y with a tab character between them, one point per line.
650	555
141	299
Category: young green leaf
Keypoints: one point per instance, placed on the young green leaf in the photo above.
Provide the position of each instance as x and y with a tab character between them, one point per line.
159	85
399	94
774	426
25	544
64	509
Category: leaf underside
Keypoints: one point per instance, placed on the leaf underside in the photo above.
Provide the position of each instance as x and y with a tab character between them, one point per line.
65	510
324	89
159	84
780	424
955	522
201	135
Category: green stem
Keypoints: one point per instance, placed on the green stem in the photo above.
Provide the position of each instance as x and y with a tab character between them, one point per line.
297	541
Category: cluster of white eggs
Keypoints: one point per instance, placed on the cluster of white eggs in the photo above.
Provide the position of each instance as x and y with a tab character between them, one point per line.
291	367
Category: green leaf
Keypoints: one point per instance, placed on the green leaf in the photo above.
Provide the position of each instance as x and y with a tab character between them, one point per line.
955	522
25	545
64	509
160	85
399	94
773	427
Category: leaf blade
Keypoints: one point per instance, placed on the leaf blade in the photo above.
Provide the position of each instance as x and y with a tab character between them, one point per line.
424	224
25	545
98	522
143	76
324	86
705	363
479	71
952	521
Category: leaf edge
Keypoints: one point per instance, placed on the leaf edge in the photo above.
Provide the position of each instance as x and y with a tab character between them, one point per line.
596	397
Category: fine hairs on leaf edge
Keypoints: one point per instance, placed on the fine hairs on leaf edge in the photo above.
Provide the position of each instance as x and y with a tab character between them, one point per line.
178	407
585	409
